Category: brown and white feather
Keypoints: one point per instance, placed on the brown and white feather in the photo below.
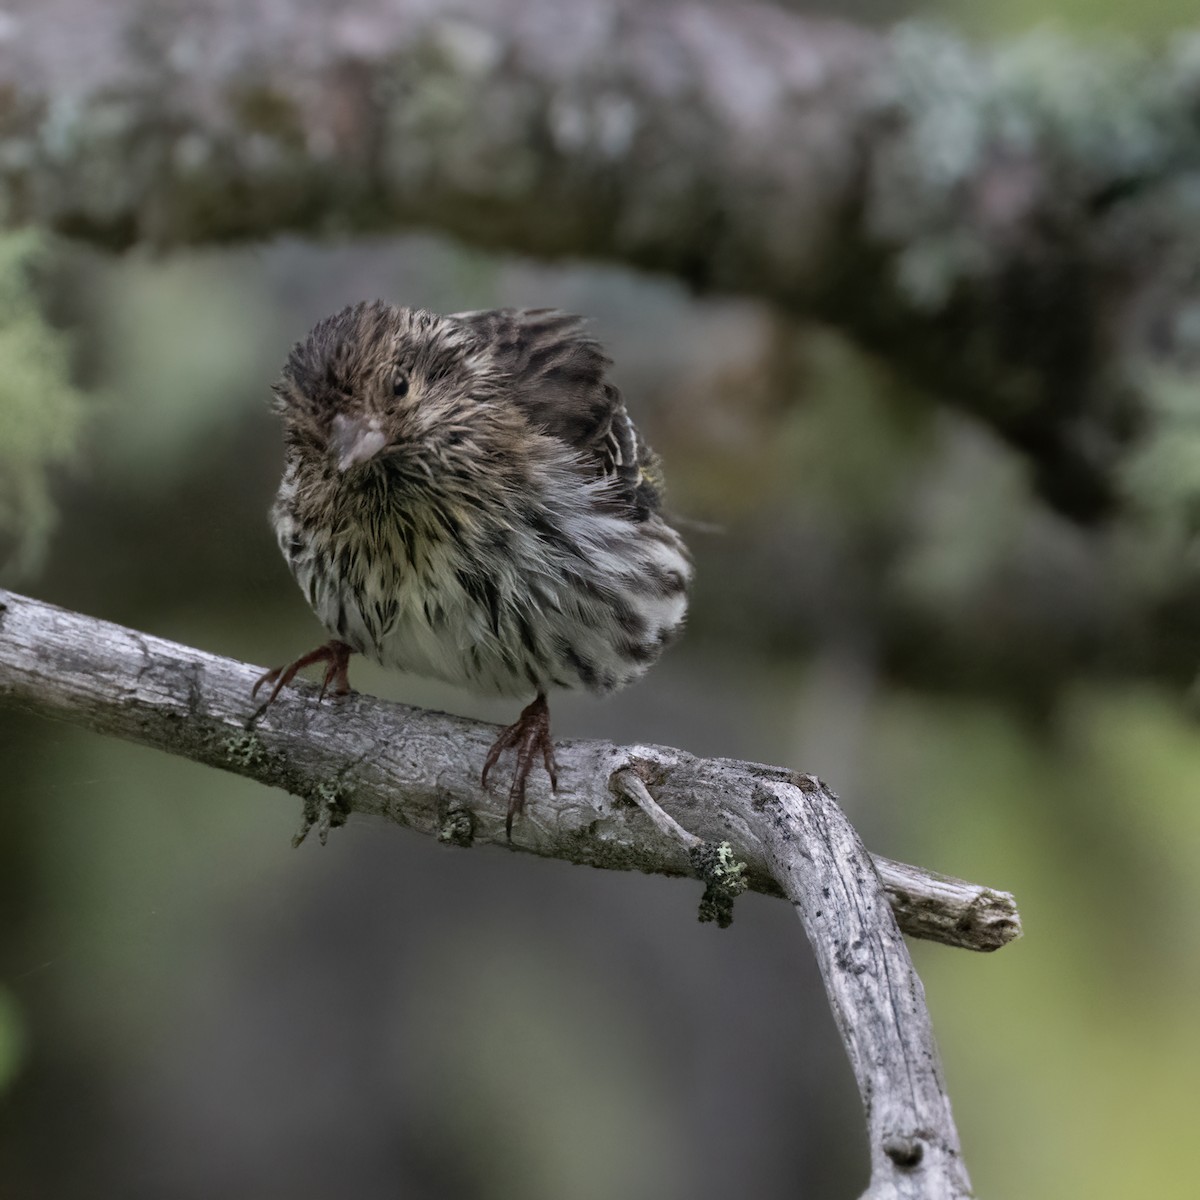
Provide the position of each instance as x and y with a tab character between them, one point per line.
508	536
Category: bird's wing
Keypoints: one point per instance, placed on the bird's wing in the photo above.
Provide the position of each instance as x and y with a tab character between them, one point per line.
558	379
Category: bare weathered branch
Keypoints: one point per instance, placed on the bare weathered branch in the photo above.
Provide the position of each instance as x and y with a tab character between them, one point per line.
641	807
1013	227
876	996
421	769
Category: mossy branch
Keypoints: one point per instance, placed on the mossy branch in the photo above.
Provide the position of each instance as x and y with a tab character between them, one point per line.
1012	227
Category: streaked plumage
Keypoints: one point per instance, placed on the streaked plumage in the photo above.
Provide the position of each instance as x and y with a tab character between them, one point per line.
466	498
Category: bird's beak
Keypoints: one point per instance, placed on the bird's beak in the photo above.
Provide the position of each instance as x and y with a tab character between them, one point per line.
355	441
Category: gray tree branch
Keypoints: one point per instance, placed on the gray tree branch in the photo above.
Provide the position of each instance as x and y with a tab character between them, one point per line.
1013	227
421	769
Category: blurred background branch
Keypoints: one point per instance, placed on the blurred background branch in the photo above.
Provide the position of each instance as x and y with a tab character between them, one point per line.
973	216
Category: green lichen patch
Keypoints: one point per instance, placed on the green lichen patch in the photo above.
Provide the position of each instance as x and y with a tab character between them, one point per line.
327	807
457	828
724	877
246	751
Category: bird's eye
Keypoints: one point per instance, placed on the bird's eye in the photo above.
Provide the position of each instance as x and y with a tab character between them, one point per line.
400	382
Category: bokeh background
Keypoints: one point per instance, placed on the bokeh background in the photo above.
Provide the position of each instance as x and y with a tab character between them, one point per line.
191	1008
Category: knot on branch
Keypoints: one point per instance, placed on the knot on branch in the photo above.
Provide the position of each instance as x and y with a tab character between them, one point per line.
906	1152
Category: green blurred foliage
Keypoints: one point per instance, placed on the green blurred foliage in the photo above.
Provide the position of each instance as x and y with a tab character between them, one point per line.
12	1038
181	342
1152	18
504	1067
41	411
1082	1035
1163	476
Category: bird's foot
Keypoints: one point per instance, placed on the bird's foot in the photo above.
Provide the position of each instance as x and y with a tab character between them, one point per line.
529	736
336	657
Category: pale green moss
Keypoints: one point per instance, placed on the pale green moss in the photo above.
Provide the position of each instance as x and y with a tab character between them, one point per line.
725	880
246	750
40	410
327	807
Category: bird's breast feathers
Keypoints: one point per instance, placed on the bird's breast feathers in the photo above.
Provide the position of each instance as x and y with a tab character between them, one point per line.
556	589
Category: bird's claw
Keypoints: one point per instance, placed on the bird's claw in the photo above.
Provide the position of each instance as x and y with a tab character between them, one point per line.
529	736
335	655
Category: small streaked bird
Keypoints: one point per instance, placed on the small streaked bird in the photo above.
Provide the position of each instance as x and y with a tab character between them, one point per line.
465	498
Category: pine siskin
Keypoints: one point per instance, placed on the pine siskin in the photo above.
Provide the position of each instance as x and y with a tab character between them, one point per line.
465	498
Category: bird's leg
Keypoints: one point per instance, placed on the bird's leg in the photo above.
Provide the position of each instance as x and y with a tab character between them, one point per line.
529	736
335	655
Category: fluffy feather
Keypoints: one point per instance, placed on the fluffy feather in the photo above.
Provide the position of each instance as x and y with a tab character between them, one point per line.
466	498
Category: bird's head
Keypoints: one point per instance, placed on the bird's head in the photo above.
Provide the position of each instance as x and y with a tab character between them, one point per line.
376	383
